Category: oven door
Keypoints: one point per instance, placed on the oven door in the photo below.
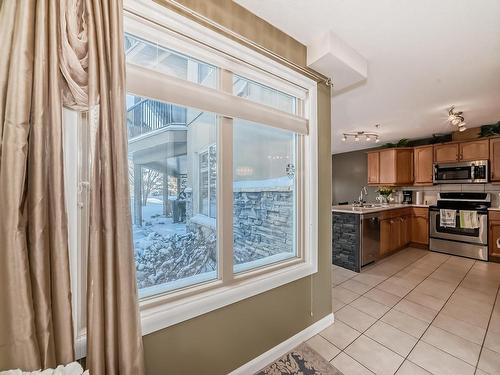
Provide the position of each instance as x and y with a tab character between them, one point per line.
478	235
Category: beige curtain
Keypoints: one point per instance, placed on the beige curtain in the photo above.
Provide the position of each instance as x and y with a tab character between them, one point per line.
35	301
114	342
67	51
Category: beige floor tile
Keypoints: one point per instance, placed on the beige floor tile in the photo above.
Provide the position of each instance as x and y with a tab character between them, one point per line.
452	344
492	341
391	337
368	279
344	295
459	328
425	300
405	323
337	305
323	347
394	287
354	318
436	288
338	278
436	361
380	296
340	334
475	295
345	272
480	372
374	356
349	366
417	311
370	307
356	286
489	361
409	368
472	313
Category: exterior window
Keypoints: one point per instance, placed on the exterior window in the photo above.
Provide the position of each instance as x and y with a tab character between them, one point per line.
222	171
207	178
263	195
263	94
174	247
153	56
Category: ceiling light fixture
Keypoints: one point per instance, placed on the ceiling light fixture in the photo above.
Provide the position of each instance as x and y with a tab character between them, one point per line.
368	136
456	118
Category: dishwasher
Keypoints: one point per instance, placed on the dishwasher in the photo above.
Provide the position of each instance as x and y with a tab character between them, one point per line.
370	238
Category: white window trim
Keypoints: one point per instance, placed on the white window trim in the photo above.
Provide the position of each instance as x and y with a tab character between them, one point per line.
165	310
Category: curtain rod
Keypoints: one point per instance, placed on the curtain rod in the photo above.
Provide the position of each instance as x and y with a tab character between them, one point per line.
199	17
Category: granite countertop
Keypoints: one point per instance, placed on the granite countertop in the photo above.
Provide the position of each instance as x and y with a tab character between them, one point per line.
367	210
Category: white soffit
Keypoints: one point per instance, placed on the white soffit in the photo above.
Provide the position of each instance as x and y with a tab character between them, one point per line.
331	56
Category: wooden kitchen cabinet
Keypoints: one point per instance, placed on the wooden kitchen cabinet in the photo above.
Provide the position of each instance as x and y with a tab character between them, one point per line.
396	166
446	153
404	231
373	167
494	236
394	231
419	231
474	150
385	236
423	162
495	159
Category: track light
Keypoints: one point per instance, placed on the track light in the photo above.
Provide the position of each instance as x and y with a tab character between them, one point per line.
368	136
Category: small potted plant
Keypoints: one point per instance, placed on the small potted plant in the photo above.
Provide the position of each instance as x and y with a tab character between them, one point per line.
385	193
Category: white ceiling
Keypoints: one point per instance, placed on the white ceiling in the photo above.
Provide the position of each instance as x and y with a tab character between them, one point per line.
422	57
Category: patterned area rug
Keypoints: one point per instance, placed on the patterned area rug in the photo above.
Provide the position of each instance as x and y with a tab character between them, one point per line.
300	361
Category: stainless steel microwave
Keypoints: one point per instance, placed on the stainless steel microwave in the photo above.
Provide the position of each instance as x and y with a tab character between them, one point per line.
469	172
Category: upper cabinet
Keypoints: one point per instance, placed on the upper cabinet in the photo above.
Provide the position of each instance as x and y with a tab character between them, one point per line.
463	151
394	166
407	166
446	153
373	167
495	159
475	150
424	157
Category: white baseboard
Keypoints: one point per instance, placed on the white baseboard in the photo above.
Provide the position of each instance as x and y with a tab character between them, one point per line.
279	350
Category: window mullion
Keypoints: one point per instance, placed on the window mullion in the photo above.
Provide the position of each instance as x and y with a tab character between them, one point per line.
225	181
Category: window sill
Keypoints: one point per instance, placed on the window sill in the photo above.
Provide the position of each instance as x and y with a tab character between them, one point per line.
157	314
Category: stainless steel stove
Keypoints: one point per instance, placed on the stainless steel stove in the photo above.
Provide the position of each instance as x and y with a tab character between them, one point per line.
467	242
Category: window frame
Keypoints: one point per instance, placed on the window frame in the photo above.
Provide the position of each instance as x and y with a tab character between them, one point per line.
163	310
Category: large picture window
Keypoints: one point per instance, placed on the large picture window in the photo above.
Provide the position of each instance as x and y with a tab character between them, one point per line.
222	169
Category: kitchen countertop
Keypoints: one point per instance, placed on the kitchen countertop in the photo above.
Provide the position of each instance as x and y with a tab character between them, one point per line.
368	210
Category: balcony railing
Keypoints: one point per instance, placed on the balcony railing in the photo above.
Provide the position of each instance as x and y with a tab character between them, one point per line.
148	115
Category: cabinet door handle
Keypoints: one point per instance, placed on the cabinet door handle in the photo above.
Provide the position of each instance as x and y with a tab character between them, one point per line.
498	243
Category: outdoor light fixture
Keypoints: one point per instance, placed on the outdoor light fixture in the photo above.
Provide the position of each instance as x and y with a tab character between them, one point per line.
456	119
368	136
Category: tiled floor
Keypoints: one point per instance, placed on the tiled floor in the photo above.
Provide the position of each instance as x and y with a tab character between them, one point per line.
416	312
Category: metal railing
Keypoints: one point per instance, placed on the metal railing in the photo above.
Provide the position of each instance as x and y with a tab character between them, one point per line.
148	115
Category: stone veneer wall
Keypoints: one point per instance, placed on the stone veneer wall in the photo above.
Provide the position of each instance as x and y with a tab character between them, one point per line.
346	241
263	222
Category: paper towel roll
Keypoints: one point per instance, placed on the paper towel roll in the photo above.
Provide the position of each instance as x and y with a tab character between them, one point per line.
419	198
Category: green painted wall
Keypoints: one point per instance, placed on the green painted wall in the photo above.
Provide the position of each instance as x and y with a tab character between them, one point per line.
222	340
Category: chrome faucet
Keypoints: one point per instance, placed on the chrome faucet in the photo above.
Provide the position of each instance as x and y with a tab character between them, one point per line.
364	192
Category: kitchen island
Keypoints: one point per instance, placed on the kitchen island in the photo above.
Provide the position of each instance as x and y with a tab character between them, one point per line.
361	235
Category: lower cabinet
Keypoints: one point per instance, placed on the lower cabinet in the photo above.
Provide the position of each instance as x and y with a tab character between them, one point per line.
494	236
395	230
419	233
